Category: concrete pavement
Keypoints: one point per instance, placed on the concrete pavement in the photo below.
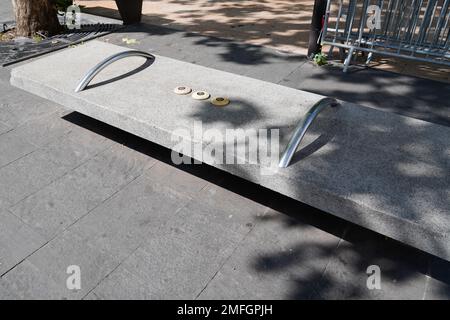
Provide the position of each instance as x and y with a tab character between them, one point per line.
367	170
71	188
6	11
78	192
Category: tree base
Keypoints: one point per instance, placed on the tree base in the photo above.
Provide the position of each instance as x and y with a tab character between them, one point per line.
36	16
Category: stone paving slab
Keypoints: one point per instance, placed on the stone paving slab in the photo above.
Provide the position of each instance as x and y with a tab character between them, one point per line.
215	206
357	174
180	181
45	129
62	203
4	128
18	107
30	173
197	240
249	60
437	290
130	216
13	147
25	276
279	25
382	90
92	27
406	95
171	266
17	240
29	136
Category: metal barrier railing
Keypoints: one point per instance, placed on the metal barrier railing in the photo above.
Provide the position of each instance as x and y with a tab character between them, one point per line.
413	29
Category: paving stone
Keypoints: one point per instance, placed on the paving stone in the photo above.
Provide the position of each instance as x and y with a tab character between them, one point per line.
328	178
44	274
17	241
177	179
308	215
437	290
176	264
281	258
5	294
4	128
34	171
227	206
18	107
151	39
215	213
179	258
201	237
13	146
196	230
346	277
48	128
26	176
249	60
123	222
246	60
58	205
26	281
5	74
122	284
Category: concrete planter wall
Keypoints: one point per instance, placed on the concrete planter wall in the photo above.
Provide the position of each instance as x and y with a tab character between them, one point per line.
130	10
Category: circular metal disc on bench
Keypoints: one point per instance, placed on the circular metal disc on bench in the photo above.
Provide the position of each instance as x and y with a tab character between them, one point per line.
220	101
200	95
182	90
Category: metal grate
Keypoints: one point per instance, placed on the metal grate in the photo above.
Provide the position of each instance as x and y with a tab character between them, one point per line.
12	52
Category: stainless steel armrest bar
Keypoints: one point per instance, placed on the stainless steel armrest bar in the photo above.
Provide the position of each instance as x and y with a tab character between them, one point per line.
102	65
301	129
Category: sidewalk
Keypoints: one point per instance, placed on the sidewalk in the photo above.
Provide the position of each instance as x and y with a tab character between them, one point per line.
6	11
74	191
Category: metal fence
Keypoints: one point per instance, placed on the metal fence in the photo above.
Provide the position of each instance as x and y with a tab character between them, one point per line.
414	29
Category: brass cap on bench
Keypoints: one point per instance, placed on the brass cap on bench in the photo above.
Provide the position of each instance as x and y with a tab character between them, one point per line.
220	101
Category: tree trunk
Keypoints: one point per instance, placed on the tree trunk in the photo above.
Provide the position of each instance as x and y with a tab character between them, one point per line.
35	16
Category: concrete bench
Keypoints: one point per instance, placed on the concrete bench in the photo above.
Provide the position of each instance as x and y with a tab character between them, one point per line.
380	170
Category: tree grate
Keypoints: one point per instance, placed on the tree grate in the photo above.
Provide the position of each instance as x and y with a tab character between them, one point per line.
20	50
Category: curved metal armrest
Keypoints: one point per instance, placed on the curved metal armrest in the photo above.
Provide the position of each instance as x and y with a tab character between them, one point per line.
302	127
102	65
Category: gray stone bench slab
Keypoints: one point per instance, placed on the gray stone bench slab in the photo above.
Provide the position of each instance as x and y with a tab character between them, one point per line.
383	171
